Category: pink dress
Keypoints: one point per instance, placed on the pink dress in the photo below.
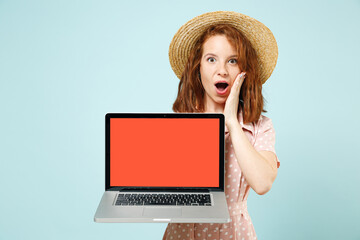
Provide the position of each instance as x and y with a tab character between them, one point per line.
262	137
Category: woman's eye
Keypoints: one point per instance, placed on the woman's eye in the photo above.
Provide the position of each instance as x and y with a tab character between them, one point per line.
233	61
211	59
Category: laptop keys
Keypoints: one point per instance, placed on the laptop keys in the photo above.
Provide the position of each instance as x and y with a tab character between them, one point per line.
163	199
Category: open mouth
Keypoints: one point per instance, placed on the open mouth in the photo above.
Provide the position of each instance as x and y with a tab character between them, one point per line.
221	86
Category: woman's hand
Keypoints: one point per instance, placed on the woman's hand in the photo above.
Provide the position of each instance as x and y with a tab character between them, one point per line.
232	102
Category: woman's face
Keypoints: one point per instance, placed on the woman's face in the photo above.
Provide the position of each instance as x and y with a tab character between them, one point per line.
218	69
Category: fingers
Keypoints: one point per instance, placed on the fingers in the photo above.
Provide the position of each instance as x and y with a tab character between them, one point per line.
238	82
231	105
235	89
240	78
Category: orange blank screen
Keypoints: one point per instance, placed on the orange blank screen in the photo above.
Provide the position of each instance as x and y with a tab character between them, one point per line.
149	152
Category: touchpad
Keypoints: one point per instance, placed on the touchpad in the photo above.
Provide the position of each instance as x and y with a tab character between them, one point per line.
162	212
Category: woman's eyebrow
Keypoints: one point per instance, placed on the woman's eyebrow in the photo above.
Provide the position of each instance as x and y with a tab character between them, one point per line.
212	54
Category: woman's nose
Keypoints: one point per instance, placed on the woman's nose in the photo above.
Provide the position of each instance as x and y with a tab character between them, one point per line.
222	70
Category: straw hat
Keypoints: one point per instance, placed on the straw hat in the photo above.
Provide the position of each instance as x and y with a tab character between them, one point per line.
261	38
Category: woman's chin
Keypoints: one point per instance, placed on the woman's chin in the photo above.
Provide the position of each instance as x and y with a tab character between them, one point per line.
220	101
217	100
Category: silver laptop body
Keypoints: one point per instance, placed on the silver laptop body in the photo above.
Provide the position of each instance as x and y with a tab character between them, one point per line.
174	157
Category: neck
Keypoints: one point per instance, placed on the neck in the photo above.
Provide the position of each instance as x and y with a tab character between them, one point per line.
213	107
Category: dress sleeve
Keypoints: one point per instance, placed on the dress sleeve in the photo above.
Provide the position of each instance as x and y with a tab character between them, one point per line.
265	137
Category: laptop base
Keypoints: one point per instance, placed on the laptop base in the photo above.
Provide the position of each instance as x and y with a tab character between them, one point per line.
108	212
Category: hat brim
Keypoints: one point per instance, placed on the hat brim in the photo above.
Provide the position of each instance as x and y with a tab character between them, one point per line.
261	38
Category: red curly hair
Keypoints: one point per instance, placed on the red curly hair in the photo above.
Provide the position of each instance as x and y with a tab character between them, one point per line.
191	93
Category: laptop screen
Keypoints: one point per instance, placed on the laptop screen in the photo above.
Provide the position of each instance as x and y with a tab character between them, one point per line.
155	151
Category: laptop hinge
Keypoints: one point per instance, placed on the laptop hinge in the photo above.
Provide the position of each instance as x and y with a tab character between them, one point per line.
163	190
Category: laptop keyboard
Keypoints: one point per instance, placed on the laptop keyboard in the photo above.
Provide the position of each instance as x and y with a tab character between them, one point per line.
126	199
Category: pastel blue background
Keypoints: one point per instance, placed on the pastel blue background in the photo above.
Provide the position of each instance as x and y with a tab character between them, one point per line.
65	64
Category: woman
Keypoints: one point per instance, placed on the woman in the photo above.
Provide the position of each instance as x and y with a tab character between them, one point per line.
222	60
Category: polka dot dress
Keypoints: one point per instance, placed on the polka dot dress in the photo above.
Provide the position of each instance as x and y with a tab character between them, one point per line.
262	137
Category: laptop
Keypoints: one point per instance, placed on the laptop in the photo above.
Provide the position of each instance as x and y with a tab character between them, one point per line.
164	167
